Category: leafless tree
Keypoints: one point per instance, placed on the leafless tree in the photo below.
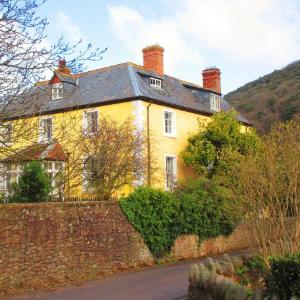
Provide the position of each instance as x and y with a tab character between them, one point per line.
26	56
269	184
114	157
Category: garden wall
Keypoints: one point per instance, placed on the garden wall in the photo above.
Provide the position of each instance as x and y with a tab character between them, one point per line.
49	243
189	246
59	242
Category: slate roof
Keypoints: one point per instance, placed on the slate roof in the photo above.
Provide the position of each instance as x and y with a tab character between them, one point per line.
49	152
123	82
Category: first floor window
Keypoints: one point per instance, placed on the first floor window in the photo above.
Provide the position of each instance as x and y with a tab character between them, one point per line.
170	171
169	123
8	133
45	130
91	122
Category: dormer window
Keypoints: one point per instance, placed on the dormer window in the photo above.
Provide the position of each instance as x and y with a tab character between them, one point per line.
155	82
57	91
215	102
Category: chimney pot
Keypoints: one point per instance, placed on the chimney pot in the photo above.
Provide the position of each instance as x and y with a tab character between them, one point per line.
212	79
62	66
154	59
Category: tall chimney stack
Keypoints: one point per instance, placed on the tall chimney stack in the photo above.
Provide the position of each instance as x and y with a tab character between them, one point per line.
154	59
62	66
212	79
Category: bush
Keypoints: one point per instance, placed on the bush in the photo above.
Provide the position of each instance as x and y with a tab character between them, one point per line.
252	272
288	112
224	132
284	276
153	213
33	185
205	209
198	207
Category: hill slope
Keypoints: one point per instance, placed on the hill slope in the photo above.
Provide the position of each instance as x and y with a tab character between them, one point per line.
271	98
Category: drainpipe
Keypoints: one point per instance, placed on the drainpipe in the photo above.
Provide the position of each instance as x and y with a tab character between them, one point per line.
148	144
68	170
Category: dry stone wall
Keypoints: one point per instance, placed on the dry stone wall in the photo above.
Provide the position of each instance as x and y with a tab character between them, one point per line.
190	246
57	242
60	242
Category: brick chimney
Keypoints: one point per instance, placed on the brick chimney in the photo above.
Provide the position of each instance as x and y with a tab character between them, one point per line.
154	59
212	79
62	67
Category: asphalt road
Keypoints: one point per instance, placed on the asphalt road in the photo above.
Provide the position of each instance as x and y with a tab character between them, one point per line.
162	283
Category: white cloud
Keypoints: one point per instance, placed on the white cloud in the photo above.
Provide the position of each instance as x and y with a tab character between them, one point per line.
136	32
240	36
70	29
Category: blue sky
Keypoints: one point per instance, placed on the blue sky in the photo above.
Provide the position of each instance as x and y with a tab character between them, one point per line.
245	39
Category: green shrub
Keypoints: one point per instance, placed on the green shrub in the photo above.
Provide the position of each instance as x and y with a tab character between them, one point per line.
205	209
252	272
288	112
224	132
271	103
33	185
284	276
247	107
153	213
198	207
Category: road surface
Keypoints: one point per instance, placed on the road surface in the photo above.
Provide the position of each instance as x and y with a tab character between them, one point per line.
161	283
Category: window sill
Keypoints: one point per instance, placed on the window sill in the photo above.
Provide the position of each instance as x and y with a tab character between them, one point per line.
45	141
174	136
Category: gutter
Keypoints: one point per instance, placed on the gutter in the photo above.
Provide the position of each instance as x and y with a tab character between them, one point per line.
148	144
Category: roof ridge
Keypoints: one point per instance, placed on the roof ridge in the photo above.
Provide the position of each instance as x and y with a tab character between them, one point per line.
134	82
102	69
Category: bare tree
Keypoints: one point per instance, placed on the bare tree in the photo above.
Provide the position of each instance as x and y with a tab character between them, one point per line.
114	157
25	56
269	183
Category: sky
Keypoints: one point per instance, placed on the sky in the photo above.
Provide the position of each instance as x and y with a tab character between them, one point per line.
246	39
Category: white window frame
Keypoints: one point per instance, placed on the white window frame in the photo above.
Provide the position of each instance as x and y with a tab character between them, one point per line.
173	132
57	91
215	102
53	171
86	187
174	171
41	136
85	125
16	172
6	134
155	82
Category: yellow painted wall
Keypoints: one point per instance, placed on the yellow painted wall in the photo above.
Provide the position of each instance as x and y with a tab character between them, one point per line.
68	130
187	123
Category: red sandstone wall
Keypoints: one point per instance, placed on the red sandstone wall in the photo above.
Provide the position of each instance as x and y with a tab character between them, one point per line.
188	246
56	242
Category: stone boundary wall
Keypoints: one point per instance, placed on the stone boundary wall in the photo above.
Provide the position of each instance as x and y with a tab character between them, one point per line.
189	246
60	242
64	242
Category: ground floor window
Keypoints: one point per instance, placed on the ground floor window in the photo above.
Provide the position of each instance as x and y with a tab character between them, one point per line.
13	171
54	170
170	171
90	174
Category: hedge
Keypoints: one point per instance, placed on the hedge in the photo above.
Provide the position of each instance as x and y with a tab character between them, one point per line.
160	216
284	276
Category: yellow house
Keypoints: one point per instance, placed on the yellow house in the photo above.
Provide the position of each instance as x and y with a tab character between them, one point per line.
166	107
